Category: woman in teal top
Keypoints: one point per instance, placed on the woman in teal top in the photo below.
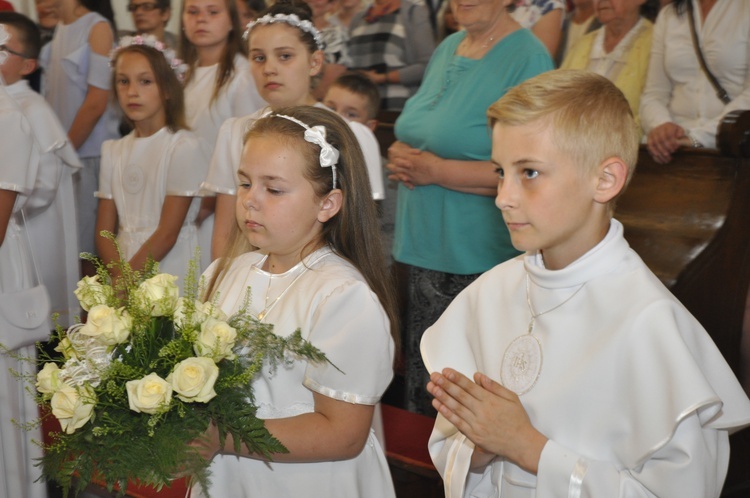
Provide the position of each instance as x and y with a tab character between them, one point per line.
448	230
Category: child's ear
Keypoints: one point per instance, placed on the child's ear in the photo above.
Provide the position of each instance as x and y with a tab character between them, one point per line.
316	62
612	174
372	124
28	67
331	205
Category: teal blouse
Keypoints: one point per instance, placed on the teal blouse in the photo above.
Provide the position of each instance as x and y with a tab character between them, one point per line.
441	229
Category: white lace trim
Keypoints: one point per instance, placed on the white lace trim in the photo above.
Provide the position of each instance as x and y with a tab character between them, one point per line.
269	411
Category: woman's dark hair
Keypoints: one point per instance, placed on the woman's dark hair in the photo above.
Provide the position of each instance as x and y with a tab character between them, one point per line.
256	5
103	7
234	46
680	6
650	9
301	10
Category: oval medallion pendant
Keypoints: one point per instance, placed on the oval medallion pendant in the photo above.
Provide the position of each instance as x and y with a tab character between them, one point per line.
522	364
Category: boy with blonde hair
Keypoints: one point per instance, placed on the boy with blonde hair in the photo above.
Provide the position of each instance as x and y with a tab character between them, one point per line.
589	378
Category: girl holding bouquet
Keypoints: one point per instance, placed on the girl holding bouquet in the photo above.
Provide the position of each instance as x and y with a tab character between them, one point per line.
286	53
149	180
307	250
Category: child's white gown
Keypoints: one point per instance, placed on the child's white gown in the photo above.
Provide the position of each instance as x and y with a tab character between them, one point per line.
50	212
138	174
336	310
19	168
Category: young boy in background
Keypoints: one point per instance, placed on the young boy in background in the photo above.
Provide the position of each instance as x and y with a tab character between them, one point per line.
590	379
354	97
51	221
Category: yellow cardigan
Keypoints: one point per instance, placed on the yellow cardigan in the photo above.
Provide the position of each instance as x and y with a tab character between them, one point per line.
632	78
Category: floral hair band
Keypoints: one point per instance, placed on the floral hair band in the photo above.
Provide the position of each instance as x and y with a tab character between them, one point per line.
329	155
177	65
290	19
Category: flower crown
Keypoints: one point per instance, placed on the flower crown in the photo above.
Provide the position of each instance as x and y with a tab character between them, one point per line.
179	67
329	155
290	19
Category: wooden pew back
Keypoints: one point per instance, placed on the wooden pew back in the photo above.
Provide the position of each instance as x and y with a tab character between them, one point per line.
690	222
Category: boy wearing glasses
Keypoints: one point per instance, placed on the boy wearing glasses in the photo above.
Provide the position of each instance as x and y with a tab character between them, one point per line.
150	17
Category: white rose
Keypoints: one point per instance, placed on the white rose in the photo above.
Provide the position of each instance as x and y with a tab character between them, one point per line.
151	394
90	292
193	379
215	340
48	379
201	311
160	294
73	407
108	325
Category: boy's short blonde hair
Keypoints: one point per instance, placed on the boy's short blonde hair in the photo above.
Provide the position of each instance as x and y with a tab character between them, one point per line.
590	117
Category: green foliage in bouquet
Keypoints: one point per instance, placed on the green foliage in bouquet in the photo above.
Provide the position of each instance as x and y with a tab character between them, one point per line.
146	374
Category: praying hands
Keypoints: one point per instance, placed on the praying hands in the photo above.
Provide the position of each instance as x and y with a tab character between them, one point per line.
490	415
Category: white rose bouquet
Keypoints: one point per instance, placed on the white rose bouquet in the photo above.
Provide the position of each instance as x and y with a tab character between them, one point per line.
145	375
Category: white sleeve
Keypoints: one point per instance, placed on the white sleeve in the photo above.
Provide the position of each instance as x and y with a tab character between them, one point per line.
20	156
657	93
371	150
352	328
188	165
692	464
244	98
707	132
105	171
221	177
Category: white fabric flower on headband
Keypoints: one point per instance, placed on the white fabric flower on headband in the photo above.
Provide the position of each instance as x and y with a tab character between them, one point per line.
290	19
4	37
329	155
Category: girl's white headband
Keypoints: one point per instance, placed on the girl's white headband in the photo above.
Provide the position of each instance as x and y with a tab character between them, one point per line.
329	155
290	19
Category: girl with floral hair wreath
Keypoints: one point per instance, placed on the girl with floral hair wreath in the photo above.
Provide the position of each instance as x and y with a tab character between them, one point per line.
304	206
149	182
286	53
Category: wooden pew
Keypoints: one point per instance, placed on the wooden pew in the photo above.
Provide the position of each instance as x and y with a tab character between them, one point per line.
690	222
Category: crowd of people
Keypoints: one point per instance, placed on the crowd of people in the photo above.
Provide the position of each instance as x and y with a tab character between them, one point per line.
250	134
